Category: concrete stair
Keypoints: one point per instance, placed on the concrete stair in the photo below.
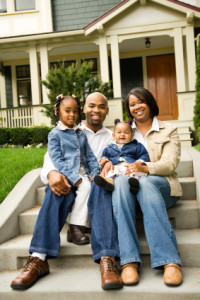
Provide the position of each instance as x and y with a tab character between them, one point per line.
74	275
184	132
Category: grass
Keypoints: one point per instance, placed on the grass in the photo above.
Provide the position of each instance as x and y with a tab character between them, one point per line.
197	147
15	163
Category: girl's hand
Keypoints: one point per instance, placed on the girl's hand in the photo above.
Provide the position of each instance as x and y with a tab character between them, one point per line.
107	167
58	183
138	166
78	182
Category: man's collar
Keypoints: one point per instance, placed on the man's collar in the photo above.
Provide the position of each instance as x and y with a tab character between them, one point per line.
83	126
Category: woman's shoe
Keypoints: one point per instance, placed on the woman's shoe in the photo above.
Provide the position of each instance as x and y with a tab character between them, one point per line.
172	275
130	274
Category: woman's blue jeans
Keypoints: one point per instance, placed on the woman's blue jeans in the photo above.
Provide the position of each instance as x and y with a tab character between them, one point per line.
153	198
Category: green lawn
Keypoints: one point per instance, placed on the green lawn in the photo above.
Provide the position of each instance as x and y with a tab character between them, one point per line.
197	147
15	163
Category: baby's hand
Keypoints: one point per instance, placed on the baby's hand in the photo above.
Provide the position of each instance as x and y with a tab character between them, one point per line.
91	179
78	182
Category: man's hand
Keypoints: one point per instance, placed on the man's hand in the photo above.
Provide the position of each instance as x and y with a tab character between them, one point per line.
107	167
58	183
78	182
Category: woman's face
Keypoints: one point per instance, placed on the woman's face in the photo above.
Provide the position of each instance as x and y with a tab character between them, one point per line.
139	110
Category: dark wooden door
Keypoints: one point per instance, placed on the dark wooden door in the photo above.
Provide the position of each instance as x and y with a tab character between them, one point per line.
161	74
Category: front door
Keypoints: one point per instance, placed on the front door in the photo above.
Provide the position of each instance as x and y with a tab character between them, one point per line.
161	74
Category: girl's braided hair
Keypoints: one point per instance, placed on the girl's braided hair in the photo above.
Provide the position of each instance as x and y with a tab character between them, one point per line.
59	99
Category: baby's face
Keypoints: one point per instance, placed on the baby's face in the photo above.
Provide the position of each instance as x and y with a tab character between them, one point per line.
123	133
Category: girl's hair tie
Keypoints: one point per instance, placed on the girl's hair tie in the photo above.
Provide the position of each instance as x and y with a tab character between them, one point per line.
60	97
116	121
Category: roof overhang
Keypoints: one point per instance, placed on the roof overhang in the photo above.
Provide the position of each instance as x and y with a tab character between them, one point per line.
98	24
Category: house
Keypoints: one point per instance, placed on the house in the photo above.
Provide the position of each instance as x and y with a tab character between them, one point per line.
148	43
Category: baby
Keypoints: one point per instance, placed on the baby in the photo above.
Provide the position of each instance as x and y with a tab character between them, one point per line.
122	151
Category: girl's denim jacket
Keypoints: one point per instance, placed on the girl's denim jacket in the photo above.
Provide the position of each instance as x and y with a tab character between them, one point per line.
130	152
68	149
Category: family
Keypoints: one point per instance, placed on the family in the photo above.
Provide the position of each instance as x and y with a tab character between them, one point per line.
97	179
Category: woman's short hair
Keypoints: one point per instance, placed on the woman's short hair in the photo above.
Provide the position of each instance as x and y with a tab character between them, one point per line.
145	96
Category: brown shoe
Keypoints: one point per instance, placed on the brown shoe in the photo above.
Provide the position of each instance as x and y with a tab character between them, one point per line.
33	270
130	274
172	275
75	235
110	278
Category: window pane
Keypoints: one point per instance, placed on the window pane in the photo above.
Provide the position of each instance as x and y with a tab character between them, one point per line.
24	92
23	71
3	7
24	5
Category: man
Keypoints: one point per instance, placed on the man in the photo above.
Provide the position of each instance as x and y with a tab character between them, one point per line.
45	242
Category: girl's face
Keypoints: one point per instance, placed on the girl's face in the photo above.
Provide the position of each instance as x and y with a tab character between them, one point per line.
123	133
68	112
139	110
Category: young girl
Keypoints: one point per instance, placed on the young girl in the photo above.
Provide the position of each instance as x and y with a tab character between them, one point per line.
71	154
124	149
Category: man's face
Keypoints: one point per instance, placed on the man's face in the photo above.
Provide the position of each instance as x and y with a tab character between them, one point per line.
96	110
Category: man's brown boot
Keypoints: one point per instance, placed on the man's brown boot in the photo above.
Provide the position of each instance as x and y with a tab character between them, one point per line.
130	274
75	235
172	275
33	270
110	278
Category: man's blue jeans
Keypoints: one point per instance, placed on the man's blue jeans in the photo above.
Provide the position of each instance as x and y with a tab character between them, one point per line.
104	232
53	214
153	198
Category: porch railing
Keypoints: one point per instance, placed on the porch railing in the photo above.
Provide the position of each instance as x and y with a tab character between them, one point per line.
16	117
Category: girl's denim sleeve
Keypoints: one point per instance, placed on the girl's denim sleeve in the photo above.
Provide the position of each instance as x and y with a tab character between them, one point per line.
92	162
55	153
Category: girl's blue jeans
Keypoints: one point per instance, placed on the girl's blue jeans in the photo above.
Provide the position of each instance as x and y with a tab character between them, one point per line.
53	214
153	198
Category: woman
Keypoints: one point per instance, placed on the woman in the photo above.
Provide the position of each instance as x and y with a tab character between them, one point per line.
158	190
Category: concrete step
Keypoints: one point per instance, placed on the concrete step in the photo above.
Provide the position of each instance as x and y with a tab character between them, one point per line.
73	283
185	167
188	185
187	208
186	142
14	253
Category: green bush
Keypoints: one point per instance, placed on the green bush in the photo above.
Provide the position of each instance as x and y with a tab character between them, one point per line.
4	135
24	136
20	136
40	134
196	118
198	134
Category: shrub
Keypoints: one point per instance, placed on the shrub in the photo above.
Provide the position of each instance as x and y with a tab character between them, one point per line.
197	100
24	136
40	134
20	136
198	134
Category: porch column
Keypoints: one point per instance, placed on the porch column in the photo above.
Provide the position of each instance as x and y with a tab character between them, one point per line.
191	63
35	79
115	67
3	91
14	86
44	61
103	54
179	59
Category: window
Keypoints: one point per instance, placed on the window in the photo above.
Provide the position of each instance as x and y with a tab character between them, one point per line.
23	85
94	68
67	63
24	5
3	6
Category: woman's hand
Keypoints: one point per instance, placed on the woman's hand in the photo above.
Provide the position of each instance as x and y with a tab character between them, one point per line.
58	183
107	167
138	166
